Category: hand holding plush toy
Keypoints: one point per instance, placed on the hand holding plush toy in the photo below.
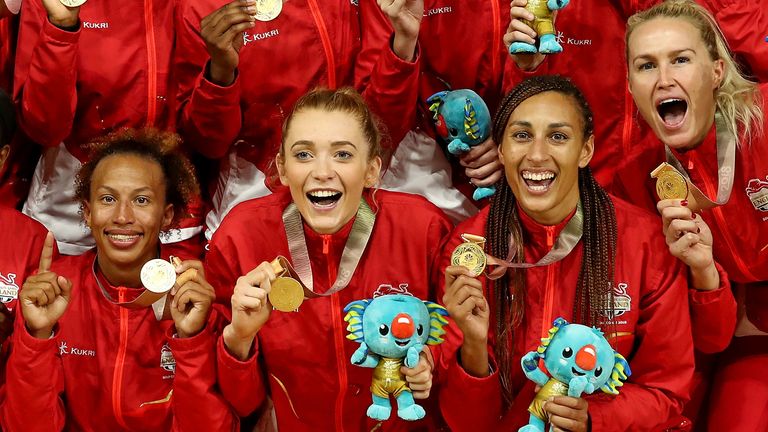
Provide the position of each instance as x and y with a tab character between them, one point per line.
579	359
463	120
543	24
392	330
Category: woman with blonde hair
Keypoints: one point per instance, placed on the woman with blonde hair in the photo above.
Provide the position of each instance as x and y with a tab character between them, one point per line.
711	122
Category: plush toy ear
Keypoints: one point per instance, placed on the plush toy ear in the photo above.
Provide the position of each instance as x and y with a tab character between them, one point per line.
434	102
354	317
556	325
619	374
471	128
437	322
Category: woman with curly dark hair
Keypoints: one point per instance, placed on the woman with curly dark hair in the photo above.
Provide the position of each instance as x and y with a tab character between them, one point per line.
98	350
573	251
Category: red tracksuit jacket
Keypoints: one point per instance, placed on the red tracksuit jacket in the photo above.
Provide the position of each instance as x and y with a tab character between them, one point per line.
592	36
111	368
22	239
302	358
653	332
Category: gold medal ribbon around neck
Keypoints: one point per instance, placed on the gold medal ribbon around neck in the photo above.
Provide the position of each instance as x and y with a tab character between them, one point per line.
470	254
673	181
301	271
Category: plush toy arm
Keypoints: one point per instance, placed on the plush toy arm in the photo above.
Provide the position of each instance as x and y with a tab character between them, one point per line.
412	356
557	4
457	147
577	385
361	357
530	364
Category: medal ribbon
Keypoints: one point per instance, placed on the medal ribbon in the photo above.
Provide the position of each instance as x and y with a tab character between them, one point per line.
353	249
564	243
146	298
726	162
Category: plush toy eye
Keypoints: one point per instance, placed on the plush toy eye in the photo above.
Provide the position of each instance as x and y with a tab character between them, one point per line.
454	131
567	352
598	371
383	329
420	330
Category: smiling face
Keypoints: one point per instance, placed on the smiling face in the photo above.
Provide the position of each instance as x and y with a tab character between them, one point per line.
542	150
126	211
673	80
326	163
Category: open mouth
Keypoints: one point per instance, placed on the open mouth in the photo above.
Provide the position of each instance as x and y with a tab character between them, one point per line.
324	198
577	373
402	344
672	111
539	181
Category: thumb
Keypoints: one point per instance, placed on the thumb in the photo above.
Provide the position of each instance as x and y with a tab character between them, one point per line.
66	287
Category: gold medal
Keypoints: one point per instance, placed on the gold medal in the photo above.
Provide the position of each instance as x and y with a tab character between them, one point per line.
72	3
158	276
670	184
286	294
267	10
470	254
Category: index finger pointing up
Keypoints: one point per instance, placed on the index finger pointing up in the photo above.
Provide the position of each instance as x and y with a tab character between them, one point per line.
46	257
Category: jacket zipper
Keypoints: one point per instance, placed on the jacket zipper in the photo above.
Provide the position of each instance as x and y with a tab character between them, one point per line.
496	37
338	338
549	293
720	221
326	40
117	377
151	64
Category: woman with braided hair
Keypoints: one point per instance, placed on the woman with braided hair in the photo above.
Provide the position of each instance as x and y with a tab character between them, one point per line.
572	251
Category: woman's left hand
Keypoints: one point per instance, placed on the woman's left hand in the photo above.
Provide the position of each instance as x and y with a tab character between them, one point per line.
482	165
405	16
419	378
568	414
192	297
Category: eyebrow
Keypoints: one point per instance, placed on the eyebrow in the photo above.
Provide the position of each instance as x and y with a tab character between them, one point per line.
550	126
672	54
307	143
114	191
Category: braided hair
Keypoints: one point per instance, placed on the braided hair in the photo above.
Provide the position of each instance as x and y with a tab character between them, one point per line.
593	291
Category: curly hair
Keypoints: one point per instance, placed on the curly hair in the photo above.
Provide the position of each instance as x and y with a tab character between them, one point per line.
593	292
181	186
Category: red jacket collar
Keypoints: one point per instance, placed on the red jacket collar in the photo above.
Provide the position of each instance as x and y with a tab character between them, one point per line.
538	237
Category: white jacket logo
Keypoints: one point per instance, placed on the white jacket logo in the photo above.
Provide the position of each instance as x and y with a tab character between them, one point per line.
64	349
9	290
563	39
167	362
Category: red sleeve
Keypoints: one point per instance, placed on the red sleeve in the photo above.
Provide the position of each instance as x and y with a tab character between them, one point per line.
34	381
743	24
389	84
242	383
662	364
45	76
209	115
713	316
197	403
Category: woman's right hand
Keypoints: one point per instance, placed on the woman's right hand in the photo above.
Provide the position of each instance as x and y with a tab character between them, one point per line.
45	295
466	304
222	32
519	31
60	15
250	309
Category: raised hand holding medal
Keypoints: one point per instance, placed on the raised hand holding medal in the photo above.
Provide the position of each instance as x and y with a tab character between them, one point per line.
63	13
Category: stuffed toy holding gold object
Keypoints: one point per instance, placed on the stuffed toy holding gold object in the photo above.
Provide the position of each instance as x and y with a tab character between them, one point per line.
544	26
392	330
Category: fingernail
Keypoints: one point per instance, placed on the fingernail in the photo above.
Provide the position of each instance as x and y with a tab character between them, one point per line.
684	203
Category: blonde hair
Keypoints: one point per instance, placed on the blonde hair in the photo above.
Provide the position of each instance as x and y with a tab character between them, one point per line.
738	99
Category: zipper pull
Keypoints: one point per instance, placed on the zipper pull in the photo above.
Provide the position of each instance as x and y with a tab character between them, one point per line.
326	244
690	164
550	236
121	294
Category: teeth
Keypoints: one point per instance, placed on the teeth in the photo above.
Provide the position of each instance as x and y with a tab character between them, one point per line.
669	101
323	193
538	176
123	237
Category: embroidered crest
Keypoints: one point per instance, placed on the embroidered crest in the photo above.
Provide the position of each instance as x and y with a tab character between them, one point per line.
385	289
622	302
757	191
167	362
9	290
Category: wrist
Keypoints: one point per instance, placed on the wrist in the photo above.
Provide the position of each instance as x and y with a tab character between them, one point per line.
220	75
183	334
66	24
237	345
474	360
43	333
704	278
405	46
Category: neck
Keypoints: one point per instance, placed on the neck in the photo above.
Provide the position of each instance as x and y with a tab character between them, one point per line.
557	214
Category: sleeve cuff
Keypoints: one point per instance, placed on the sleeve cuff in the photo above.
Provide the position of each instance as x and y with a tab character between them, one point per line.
228	361
31	343
60	36
701	297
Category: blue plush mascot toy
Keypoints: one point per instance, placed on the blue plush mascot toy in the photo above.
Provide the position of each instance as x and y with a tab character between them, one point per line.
462	119
392	330
579	359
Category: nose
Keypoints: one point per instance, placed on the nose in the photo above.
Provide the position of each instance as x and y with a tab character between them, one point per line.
323	168
586	358
538	151
124	213
665	76
402	326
